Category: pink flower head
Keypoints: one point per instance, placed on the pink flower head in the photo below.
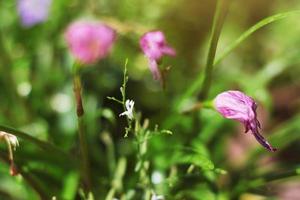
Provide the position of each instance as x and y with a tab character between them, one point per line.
89	41
33	11
154	46
240	107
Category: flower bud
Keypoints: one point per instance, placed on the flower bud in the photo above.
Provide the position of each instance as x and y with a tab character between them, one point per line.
13	171
89	41
154	46
12	142
240	107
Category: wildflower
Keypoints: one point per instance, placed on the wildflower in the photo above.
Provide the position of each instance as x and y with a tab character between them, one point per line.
89	41
33	12
240	107
129	109
12	143
154	46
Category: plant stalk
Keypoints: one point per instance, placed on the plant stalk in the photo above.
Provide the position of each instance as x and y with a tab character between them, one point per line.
85	168
117	182
219	18
29	178
264	180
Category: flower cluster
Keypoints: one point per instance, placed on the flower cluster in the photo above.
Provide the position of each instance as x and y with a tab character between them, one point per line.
240	107
92	41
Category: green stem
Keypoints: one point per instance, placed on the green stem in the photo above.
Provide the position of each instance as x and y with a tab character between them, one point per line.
143	163
148	194
117	183
219	18
123	92
191	91
107	140
85	168
29	179
263	180
251	30
278	176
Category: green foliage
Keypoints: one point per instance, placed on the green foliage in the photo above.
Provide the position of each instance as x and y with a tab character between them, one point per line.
162	150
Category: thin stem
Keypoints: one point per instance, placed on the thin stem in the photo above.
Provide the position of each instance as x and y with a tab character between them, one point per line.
29	179
85	168
12	168
77	91
219	18
278	176
143	164
123	92
123	88
263	180
117	182
107	140
252	30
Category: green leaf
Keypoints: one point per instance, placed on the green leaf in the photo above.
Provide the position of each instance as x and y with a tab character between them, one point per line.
198	160
201	191
109	115
70	185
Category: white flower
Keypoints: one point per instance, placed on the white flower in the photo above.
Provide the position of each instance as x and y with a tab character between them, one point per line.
12	139
157	197
129	109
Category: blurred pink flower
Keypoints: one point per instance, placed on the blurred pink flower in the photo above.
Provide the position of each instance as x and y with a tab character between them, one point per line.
89	41
240	107
33	11
288	191
154	46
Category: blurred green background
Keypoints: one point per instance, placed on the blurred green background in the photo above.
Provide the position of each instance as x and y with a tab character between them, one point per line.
37	97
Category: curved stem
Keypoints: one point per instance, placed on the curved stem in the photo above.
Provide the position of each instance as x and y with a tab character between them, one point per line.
46	146
219	18
29	179
263	180
251	30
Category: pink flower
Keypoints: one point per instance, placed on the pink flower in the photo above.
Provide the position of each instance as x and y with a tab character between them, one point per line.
89	41
154	46
240	107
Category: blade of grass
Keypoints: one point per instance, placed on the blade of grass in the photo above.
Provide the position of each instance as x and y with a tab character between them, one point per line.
199	82
251	30
219	19
46	146
263	180
204	79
